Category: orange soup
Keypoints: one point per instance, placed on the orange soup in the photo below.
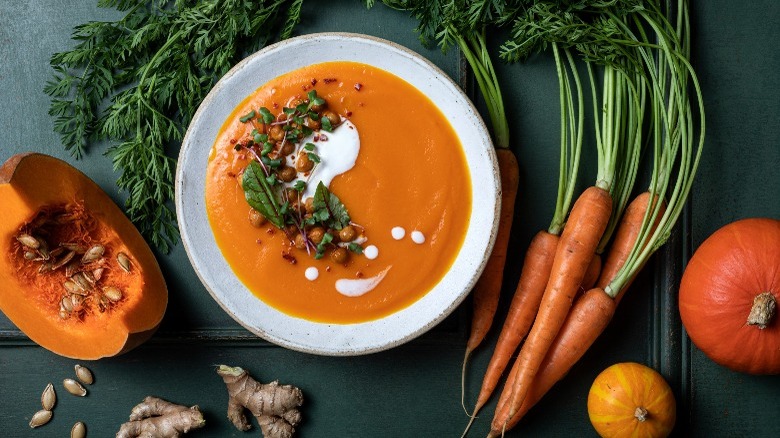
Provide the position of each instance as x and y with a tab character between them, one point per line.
408	193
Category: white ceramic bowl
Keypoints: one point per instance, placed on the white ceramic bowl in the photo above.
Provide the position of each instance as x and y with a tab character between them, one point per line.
230	292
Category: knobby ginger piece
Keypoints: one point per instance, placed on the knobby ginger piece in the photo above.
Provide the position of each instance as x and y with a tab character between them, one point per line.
274	406
157	418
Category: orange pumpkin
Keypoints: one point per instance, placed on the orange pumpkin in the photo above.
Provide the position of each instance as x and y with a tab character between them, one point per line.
631	400
75	274
729	294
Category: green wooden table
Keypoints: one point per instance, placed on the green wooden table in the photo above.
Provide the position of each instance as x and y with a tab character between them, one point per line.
414	390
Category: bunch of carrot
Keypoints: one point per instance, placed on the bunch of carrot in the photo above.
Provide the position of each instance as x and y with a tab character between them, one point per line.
646	86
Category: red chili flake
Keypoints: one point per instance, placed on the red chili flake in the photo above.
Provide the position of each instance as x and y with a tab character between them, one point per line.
242	156
275	105
258	241
270	231
349	113
329	80
231	174
314	81
358	86
289	258
361	104
327	268
359	274
305	87
316	137
233	141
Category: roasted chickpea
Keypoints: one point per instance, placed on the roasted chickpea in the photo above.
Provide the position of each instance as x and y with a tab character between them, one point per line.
318	108
315	125
286	148
300	242
281	117
295	102
348	233
316	234
276	133
290	231
339	255
256	218
309	205
304	164
286	174
334	118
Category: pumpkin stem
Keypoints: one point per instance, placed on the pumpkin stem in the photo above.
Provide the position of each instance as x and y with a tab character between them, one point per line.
641	414
764	305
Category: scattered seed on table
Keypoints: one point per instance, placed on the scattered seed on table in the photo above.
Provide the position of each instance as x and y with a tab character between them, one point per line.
79	430
40	418
74	387
84	374
48	398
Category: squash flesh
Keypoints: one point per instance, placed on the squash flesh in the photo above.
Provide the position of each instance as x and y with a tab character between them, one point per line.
37	182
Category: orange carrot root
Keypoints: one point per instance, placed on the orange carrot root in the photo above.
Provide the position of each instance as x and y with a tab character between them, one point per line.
487	291
592	274
587	222
588	318
522	311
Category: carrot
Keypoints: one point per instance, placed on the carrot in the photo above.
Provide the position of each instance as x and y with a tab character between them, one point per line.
625	237
592	274
522	310
488	288
587	222
586	319
589	316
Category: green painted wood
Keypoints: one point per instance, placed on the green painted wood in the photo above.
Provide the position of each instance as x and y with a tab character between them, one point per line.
414	390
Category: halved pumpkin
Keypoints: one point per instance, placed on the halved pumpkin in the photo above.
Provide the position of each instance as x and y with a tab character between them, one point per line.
75	274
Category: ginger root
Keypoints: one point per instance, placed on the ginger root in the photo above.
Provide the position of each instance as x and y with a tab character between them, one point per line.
274	406
157	418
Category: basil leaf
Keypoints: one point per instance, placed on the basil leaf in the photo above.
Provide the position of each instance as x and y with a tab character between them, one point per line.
326	124
260	195
354	247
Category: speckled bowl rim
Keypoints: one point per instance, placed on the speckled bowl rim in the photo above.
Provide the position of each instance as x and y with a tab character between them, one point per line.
324	338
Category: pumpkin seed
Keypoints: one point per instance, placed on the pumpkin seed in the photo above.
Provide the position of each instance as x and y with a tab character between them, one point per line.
40	418
76	300
66	304
73	247
43	248
93	253
81	281
84	374
29	255
71	268
124	261
64	260
74	387
45	267
72	287
113	293
89	277
97	274
48	398
56	251
79	430
28	241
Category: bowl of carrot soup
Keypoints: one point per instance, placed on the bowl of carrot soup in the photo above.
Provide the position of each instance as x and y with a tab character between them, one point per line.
337	194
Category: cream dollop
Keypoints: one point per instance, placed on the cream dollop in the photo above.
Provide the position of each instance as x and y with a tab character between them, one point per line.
398	233
358	287
418	237
337	150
